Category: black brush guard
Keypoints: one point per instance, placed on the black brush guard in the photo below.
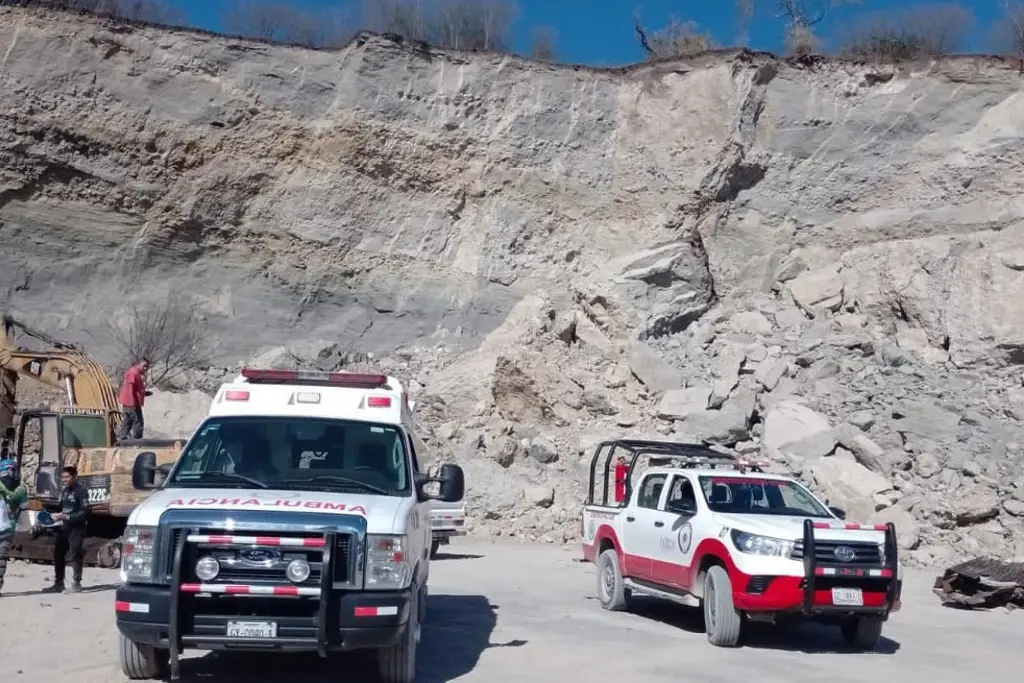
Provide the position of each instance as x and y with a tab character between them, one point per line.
811	564
174	637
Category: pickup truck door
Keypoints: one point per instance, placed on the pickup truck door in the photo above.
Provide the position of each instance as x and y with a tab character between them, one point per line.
640	536
676	512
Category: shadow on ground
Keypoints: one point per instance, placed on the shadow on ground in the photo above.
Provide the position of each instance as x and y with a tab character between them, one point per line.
99	588
805	637
454	556
457	631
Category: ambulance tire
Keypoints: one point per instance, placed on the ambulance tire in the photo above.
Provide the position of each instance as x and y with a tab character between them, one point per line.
722	620
141	662
435	546
397	663
611	588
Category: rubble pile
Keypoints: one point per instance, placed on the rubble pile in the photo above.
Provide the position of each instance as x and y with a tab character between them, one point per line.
983	583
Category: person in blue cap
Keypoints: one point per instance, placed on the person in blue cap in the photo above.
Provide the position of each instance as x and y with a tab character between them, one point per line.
12	497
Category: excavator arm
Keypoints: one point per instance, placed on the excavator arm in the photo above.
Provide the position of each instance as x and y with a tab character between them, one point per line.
65	367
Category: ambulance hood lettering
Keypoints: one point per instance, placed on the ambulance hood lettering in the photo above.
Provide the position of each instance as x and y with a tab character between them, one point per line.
381	512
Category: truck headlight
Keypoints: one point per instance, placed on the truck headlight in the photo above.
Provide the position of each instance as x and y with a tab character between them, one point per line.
387	565
137	554
762	545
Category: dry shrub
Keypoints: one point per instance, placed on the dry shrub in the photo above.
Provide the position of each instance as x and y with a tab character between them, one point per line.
922	32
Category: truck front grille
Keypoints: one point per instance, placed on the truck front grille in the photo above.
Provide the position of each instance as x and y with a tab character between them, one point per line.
864	554
261	564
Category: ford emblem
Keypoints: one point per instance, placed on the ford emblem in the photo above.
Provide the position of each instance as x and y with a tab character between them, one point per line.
259	555
844	553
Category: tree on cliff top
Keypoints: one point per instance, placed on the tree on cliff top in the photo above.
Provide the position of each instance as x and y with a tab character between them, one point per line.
922	32
677	39
1008	33
457	24
286	23
151	11
801	16
543	43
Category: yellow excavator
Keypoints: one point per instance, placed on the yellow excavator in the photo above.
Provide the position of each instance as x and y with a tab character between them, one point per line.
82	433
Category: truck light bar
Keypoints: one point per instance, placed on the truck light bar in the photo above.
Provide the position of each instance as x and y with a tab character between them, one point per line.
337	379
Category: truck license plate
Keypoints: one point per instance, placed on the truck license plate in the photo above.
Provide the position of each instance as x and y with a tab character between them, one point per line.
252	629
847	597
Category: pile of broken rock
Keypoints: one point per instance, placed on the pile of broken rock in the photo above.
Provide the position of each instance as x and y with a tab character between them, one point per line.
874	425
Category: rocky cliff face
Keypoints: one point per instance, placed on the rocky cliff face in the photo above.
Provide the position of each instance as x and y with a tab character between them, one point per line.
817	263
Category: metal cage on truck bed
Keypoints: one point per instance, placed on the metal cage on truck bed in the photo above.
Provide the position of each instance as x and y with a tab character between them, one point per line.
683	454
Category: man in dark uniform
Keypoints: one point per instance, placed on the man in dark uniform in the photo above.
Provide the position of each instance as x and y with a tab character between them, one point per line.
74	509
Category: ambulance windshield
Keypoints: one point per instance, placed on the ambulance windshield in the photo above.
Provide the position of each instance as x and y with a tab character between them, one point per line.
295	453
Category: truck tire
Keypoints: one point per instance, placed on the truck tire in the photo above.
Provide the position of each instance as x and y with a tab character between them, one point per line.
863	632
435	545
397	663
721	618
611	589
141	662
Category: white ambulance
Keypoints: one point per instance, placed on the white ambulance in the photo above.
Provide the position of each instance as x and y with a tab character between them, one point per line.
296	519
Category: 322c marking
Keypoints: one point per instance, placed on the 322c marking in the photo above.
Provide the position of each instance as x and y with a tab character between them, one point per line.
98	495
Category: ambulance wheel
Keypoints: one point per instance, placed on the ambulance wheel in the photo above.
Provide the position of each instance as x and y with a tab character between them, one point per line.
141	662
397	663
611	588
721	618
435	546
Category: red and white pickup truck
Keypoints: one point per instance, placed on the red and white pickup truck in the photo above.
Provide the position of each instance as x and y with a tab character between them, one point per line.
703	529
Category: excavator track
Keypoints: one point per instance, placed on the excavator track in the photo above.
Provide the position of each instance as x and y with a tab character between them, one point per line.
104	553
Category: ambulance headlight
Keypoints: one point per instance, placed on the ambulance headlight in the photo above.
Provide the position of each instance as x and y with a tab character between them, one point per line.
387	565
137	546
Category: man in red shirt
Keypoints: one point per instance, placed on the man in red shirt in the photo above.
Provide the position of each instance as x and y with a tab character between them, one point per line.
133	397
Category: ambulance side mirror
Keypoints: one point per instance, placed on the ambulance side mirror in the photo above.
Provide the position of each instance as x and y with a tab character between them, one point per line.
453	484
144	471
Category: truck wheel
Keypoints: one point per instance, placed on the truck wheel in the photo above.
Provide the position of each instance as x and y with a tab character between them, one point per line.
140	662
721	618
397	663
611	589
862	632
435	545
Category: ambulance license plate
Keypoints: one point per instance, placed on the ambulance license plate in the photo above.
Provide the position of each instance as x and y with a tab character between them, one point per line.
252	629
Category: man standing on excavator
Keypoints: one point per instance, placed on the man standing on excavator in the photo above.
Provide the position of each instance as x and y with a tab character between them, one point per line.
12	496
133	396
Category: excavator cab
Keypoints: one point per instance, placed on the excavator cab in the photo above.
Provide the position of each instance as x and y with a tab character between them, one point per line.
48	440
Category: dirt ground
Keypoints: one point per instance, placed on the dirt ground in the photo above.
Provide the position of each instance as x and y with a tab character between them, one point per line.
499	611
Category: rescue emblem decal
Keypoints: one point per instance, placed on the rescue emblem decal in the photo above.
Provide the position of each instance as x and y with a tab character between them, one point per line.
685	538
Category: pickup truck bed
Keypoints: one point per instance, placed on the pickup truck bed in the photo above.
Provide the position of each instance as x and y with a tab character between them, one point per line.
447	520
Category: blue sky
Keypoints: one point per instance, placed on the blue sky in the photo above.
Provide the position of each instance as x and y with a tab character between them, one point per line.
601	32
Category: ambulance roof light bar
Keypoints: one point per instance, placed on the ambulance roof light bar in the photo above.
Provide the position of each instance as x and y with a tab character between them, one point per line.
334	379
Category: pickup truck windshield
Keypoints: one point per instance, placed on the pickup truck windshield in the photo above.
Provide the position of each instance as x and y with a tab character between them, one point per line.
294	453
747	496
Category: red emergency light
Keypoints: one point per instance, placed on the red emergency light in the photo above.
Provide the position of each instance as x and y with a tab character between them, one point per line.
335	379
378	402
235	395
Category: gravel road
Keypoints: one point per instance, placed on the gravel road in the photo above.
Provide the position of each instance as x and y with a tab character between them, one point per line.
498	611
